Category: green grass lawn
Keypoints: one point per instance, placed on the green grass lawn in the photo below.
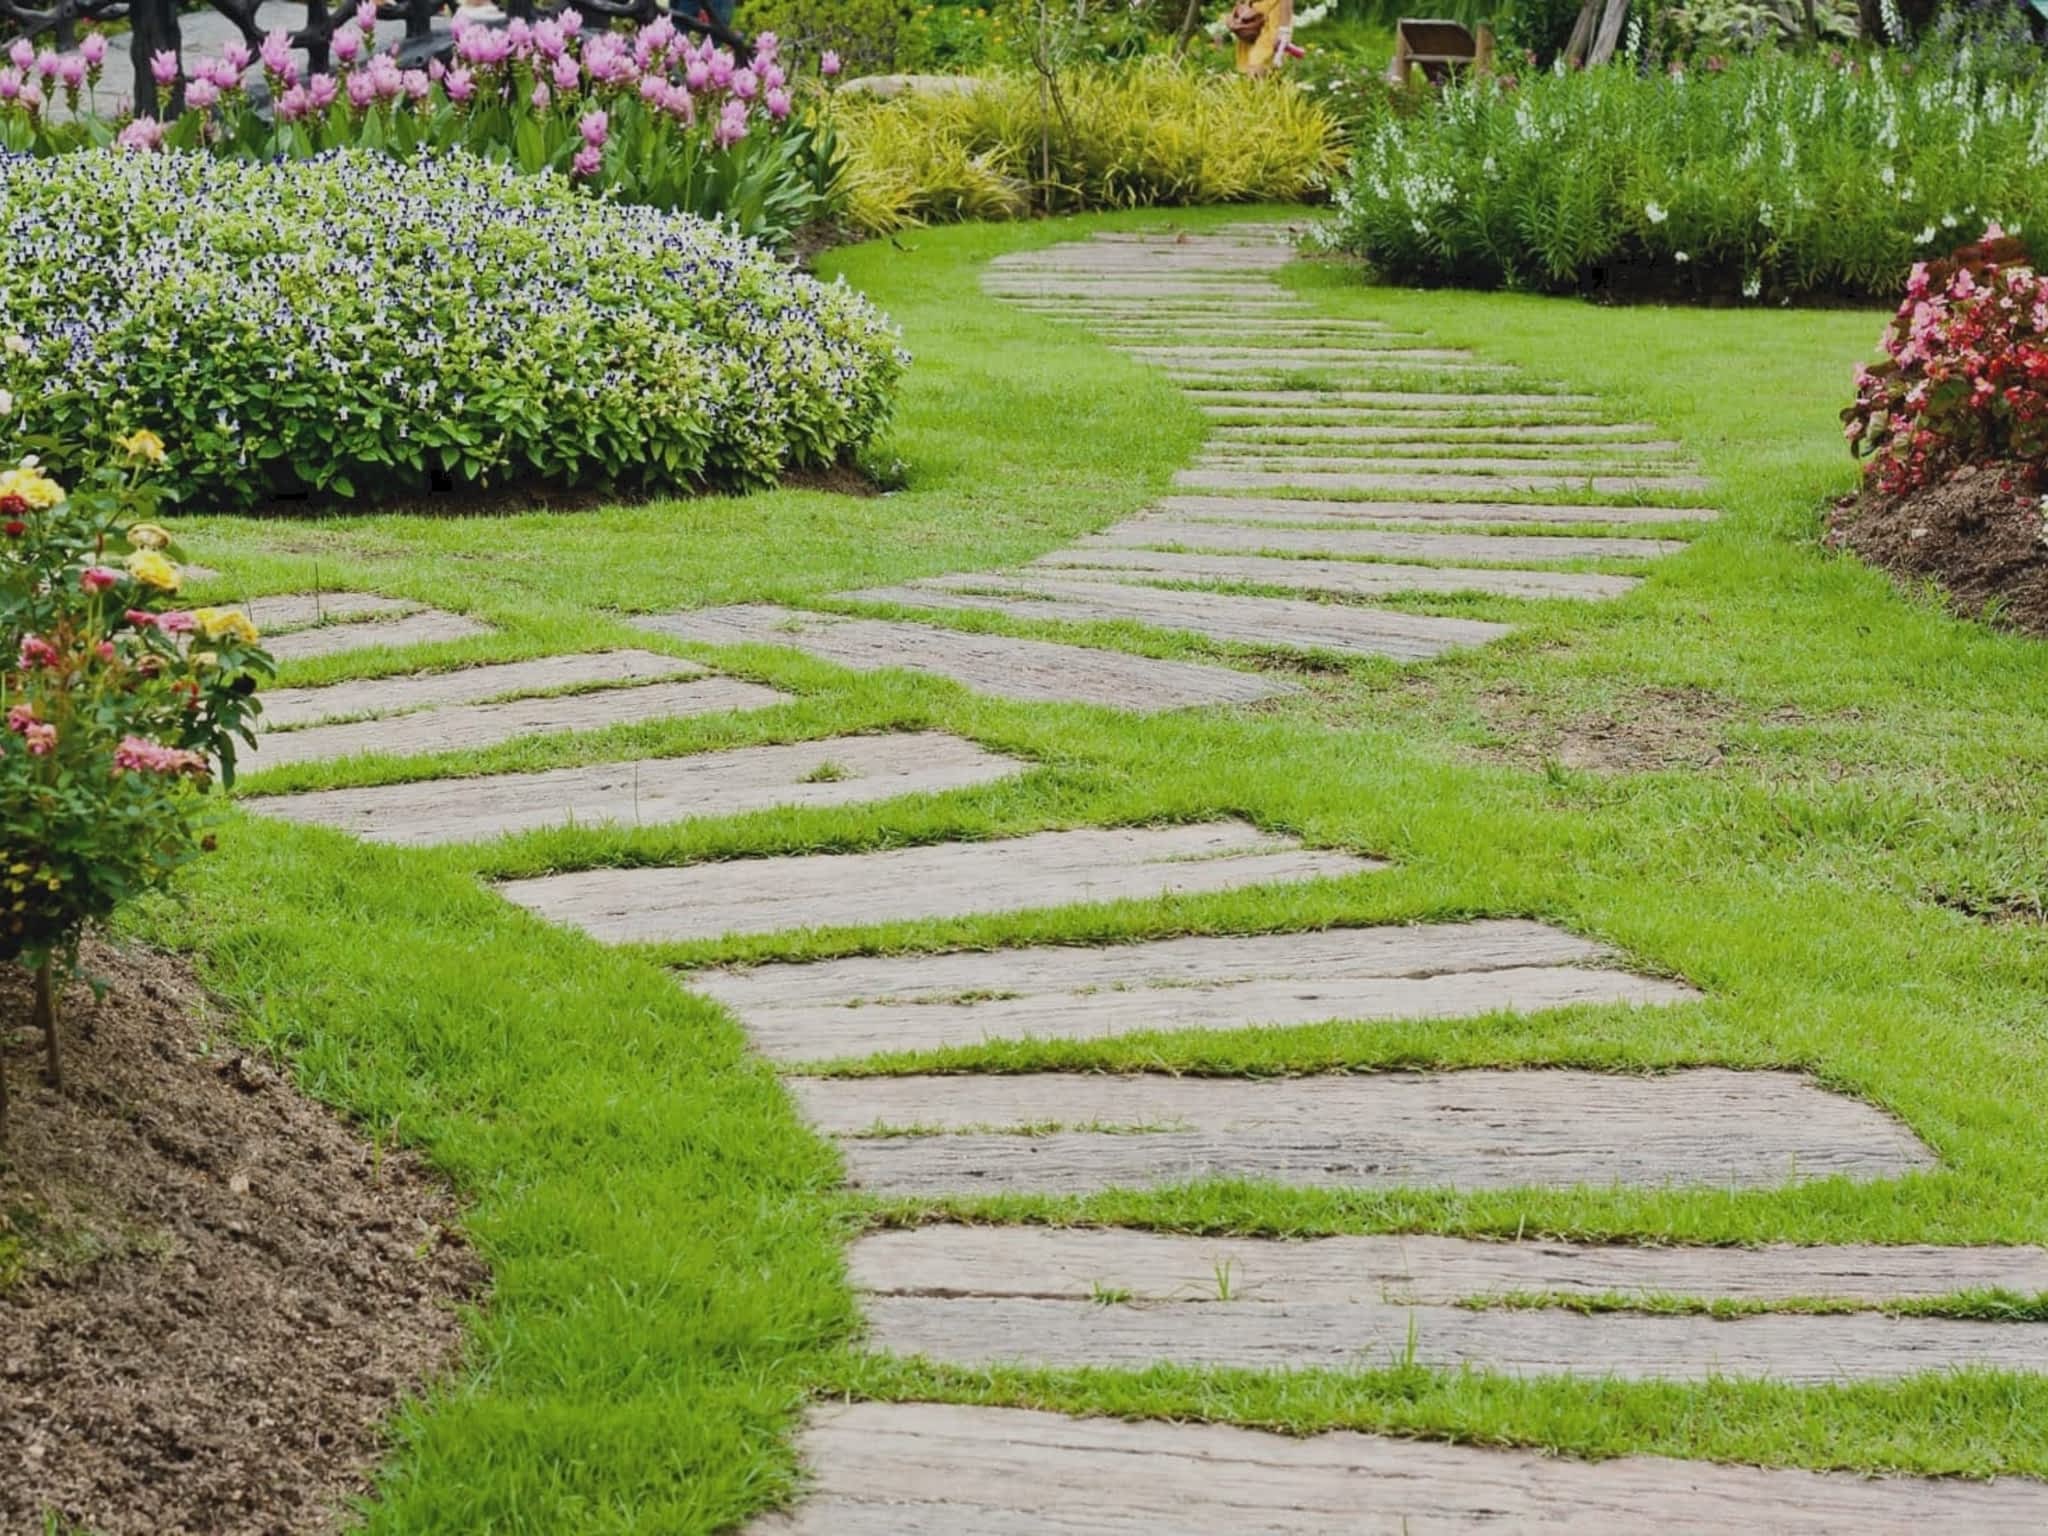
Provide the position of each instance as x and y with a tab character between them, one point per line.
1849	769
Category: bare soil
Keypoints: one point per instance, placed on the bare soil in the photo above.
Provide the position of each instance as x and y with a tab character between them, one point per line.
218	1290
1977	534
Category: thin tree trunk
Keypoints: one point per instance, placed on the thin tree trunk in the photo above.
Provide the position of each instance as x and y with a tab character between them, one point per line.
1188	23
46	1015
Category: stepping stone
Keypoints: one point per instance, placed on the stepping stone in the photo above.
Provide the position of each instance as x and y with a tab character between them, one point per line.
1226	358
1289	509
1448	480
1704	1126
859	1007
934	1469
427	626
465	727
1273	622
1045	869
1351	578
842	771
1146	532
1394	399
1073	1263
1577	467
468	685
1505	432
298	610
940	1293
1491	452
1001	665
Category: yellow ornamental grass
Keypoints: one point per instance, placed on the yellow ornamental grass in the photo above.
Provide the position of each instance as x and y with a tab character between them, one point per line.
153	570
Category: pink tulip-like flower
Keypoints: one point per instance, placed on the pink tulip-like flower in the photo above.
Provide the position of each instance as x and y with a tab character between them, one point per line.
22	55
71	71
595	127
276	54
697	76
568	73
732	125
237	57
201	93
828	64
293	104
460	85
549	40
32	97
571	22
772	76
321	91
220	74
721	69
346	46
520	35
47	64
176	623
766	46
144	134
163	67
93	49
746	84
362	90
10	84
366	17
418	86
540	97
777	102
588	162
386	79
97	578
653	90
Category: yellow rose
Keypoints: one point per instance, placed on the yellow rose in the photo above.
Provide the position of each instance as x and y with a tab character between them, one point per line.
216	622
35	489
142	444
153	570
148	536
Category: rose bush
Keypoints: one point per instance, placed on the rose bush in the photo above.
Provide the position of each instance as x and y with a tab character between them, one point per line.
120	707
355	325
1965	378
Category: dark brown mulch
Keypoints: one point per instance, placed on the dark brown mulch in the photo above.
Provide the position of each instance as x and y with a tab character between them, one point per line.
1977	533
228	1288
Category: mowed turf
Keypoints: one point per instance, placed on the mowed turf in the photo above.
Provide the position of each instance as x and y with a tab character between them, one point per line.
1851	773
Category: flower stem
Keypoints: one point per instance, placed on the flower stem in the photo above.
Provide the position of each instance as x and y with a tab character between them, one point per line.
46	1015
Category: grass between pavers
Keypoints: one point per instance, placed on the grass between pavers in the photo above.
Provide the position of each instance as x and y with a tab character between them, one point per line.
664	1235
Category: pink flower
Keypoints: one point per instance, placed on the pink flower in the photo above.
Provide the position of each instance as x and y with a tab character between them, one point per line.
93	49
42	739
362	89
828	65
732	125
71	71
144	134
97	578
678	103
417	84
36	652
568	74
137	754
104	650
347	46
721	69
276	54
460	85
772	75
293	104
201	93
778	103
571	22
540	97
176	622
766	46
697	75
237	57
10	84
221	74
588	162
653	90
549	40
366	17
163	67
141	618
321	91
746	84
47	64
23	54
20	717
595	127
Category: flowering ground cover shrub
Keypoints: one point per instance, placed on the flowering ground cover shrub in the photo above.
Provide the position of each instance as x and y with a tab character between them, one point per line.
652	116
119	706
1779	176
1120	136
1965	379
358	326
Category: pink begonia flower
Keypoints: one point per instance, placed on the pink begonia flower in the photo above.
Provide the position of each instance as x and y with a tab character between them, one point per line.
23	54
177	622
568	73
93	50
276	54
42	740
418	84
540	97
321	91
145	133
595	127
35	652
588	162
201	93
460	85
163	67
828	64
732	125
347	47
746	84
71	71
362	90
366	17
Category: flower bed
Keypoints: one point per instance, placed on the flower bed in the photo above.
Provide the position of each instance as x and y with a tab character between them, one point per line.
1776	177
357	326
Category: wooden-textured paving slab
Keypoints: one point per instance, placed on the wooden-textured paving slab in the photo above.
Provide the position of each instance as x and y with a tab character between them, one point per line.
929	1469
1155	532
838	771
1351	578
468	685
1469	1130
1507	482
1002	665
1304	509
426	626
1045	869
1079	1264
1280	623
464	727
861	1006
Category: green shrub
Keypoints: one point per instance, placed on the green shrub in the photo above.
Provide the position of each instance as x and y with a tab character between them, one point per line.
118	706
1783	176
871	37
357	325
1145	134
